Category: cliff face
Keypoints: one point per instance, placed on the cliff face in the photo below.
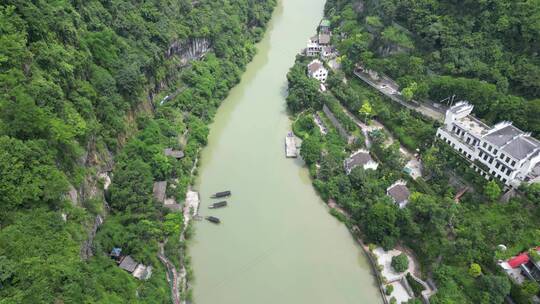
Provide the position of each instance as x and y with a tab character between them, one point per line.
188	50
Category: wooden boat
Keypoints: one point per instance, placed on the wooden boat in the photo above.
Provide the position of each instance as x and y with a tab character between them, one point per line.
213	219
218	205
221	194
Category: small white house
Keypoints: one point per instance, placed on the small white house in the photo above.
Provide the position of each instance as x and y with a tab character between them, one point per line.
360	158
399	193
317	70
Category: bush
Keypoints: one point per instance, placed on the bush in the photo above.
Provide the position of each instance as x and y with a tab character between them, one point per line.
389	289
400	263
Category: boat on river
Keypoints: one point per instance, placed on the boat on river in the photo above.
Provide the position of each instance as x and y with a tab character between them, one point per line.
213	219
218	205
221	194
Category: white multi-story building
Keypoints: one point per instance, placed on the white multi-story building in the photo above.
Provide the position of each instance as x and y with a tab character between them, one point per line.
505	152
313	49
316	70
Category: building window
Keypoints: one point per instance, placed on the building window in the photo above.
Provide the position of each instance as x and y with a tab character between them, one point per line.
503	180
484	145
489	148
495	151
507	159
513	163
497	166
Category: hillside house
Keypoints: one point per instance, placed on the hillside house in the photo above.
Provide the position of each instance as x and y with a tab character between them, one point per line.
173	153
324	26
159	191
521	267
313	49
324	39
503	151
317	70
360	158
128	264
399	193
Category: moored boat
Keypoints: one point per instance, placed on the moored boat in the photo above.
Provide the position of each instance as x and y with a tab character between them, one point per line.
213	219
222	194
218	205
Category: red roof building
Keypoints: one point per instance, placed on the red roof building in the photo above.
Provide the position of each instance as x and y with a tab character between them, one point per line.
519	260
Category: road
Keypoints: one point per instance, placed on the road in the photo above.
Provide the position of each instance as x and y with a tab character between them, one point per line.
390	89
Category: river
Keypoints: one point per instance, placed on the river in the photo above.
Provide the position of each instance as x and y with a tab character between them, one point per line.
277	243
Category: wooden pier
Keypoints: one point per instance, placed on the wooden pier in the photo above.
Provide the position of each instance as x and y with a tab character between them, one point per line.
290	146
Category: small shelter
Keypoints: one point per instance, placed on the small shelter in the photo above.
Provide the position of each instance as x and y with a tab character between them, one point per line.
142	272
128	264
173	153
159	191
116	253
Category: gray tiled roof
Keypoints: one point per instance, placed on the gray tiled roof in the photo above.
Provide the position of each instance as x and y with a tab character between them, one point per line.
500	137
400	193
520	147
359	159
324	39
128	264
159	190
314	66
173	153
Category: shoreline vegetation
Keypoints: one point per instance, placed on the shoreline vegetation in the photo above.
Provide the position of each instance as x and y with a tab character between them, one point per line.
454	218
83	105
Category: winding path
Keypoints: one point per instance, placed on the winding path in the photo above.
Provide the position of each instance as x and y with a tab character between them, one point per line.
172	275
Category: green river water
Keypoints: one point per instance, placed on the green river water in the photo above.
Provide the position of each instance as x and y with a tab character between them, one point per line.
277	243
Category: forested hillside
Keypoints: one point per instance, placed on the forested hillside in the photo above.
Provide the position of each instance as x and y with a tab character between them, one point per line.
483	51
79	80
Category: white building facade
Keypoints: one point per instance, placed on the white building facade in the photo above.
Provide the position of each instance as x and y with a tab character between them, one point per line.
503	151
317	70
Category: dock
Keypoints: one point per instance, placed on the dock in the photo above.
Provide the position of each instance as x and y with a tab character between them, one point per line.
290	146
191	206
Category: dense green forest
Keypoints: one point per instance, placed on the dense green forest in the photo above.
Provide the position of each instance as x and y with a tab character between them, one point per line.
80	90
483	51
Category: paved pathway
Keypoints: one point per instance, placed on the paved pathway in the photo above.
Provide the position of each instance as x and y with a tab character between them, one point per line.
172	275
390	89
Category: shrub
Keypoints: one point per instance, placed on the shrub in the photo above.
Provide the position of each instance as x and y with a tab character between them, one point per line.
389	289
400	263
